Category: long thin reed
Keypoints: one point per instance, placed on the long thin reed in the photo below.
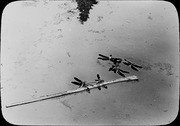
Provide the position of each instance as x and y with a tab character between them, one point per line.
61	94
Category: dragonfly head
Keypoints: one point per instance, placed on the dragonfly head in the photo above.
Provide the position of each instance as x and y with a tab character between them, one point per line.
110	56
101	81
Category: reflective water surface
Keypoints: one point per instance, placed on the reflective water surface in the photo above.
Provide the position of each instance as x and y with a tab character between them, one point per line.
44	46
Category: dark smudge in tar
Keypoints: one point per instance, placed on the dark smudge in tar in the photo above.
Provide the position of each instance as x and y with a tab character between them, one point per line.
84	6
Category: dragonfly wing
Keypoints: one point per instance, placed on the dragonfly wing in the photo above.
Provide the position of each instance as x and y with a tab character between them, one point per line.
113	60
81	85
103	56
119	72
110	69
119	59
126	63
137	66
123	71
115	70
77	79
98	76
134	68
76	83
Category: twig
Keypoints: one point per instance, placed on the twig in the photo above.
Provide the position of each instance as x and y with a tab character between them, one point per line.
61	94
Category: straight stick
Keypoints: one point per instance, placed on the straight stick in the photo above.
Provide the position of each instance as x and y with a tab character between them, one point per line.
65	93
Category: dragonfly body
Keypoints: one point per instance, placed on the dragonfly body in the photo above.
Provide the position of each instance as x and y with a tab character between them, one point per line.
116	69
81	83
133	65
110	58
99	81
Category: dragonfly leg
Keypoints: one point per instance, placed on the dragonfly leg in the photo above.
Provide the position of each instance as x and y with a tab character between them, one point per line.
104	86
99	88
88	90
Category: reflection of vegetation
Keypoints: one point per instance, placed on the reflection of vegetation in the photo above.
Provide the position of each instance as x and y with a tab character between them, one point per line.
84	6
164	67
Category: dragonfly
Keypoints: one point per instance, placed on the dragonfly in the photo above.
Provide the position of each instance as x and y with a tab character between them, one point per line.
133	65
99	81
81	83
110	58
116	69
